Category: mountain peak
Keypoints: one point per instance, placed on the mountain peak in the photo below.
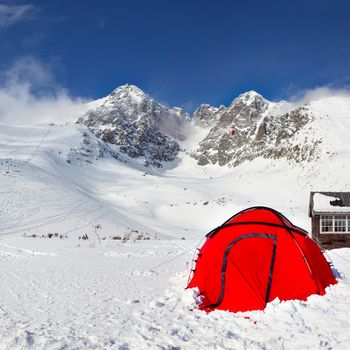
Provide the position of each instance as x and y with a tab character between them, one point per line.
138	125
250	99
130	88
250	96
130	93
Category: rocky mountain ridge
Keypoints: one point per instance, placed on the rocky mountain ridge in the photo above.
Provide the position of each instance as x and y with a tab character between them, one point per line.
138	125
253	127
250	127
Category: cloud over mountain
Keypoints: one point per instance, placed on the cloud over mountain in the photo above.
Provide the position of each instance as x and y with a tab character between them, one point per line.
29	94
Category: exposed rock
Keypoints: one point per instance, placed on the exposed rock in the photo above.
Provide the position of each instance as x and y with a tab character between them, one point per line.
250	127
90	148
247	129
137	124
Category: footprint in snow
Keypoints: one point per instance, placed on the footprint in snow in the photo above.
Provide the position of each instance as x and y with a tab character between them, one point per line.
29	338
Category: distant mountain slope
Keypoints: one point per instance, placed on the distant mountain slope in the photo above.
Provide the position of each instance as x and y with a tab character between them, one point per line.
254	127
140	126
251	127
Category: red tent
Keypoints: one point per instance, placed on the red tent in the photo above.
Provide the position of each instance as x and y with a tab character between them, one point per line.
254	257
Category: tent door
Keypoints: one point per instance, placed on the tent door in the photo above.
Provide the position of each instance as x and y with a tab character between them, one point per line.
246	274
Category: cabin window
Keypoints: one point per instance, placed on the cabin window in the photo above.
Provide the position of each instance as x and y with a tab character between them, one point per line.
326	224
335	224
340	224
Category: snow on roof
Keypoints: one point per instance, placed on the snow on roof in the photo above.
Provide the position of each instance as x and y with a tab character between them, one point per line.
331	202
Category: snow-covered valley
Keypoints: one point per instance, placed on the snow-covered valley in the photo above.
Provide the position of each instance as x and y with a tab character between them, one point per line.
96	247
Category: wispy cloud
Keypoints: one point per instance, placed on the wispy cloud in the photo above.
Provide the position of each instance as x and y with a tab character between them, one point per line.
29	94
310	95
12	14
28	70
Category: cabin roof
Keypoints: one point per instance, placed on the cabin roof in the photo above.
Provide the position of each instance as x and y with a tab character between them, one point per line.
329	202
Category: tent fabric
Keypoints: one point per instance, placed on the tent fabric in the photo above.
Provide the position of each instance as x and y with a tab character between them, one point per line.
254	257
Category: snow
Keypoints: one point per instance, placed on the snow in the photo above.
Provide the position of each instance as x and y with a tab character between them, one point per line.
132	296
66	292
250	97
322	203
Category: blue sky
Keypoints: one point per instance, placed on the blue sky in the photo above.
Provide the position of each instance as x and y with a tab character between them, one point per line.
181	52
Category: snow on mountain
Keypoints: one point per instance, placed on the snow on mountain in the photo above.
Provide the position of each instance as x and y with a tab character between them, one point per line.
140	126
145	129
206	115
254	127
249	128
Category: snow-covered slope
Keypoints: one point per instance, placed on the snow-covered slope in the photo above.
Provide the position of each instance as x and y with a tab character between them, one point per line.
95	247
46	161
71	160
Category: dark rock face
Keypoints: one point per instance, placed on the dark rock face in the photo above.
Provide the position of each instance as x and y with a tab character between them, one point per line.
247	129
137	124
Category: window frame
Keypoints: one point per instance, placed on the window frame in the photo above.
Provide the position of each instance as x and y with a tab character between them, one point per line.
335	228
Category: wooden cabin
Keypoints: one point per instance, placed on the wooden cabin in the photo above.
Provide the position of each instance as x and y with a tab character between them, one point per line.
330	218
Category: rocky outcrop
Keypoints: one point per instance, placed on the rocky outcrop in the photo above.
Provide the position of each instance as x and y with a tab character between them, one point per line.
250	128
89	149
138	125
